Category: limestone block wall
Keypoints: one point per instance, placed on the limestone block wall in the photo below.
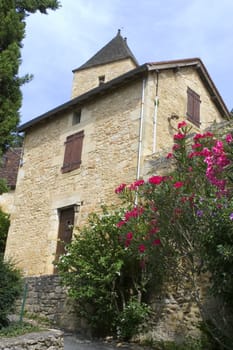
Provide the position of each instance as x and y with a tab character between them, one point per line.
47	340
172	95
109	157
87	79
44	297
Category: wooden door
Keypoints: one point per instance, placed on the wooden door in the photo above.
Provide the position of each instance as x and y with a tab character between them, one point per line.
66	224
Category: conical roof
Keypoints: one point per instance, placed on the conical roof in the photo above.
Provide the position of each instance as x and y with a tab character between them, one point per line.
117	49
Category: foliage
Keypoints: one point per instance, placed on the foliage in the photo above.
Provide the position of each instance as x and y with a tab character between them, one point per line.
4	226
187	344
10	289
131	318
101	276
175	227
12	32
16	329
191	212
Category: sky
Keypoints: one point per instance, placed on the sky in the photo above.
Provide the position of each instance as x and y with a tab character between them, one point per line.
156	30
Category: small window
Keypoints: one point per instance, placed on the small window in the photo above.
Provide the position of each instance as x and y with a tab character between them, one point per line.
101	79
193	107
76	117
73	152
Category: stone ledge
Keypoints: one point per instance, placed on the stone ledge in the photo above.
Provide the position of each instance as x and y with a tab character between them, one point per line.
46	340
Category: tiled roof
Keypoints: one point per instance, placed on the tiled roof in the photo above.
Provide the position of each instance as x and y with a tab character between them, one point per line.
117	49
10	165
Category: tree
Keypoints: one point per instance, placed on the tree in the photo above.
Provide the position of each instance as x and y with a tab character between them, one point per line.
13	14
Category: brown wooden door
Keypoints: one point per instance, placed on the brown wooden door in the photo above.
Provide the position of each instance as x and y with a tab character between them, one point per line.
66	224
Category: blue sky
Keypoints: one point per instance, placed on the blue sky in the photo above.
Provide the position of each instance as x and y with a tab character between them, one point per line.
156	30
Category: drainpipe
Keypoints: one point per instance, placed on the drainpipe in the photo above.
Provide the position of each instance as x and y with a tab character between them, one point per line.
140	129
155	113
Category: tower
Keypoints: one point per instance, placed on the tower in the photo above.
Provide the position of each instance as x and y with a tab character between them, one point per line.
113	60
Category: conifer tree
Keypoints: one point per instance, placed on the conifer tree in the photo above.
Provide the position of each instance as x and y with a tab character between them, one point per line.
13	15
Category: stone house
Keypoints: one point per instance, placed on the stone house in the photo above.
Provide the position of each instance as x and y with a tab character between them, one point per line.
75	155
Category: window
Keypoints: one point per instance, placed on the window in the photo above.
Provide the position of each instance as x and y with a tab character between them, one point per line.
65	230
101	79
76	117
73	152
193	107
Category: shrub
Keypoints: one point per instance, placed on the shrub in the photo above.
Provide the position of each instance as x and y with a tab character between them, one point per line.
102	277
10	289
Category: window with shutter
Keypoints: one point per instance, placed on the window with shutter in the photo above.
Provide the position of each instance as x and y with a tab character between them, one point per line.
193	107
73	152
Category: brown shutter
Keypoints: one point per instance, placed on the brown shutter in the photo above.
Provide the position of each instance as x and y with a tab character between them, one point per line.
73	152
193	106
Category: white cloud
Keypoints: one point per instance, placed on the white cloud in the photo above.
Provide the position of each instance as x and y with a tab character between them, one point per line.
156	30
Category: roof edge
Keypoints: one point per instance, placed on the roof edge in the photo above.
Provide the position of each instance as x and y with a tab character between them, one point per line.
100	90
103	64
188	62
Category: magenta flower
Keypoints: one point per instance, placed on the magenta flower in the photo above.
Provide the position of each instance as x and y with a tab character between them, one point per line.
156	180
156	242
229	138
120	188
178	184
141	248
136	184
182	125
231	216
129	235
179	136
169	155
120	223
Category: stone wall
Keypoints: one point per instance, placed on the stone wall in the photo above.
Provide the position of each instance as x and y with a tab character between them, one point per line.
111	126
47	299
42	188
47	340
87	79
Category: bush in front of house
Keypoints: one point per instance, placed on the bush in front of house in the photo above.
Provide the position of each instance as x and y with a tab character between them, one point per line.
10	289
175	227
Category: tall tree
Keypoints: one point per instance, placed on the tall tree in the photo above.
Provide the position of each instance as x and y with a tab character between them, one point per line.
13	15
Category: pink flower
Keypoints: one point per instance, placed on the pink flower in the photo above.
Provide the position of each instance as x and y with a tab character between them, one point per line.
129	236
156	242
179	136
202	136
120	223
156	180
154	230
175	147
136	184
178	184
120	188
141	248
196	145
169	155
134	213
182	124
229	138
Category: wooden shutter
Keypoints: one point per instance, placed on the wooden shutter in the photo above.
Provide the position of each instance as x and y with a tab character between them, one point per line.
65	230
73	152
193	107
